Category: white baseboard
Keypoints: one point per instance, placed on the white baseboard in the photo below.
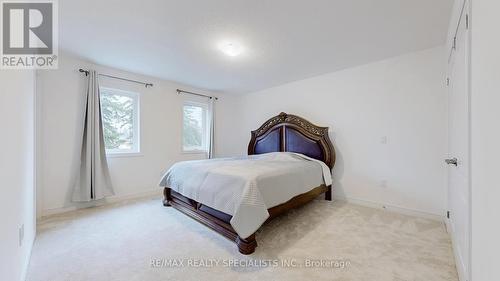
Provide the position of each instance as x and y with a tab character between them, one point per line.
159	192
462	276
392	208
109	200
24	272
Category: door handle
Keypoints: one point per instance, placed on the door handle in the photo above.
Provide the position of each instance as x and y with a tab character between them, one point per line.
452	161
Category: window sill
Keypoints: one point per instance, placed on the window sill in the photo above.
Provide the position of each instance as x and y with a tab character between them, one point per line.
194	152
124	155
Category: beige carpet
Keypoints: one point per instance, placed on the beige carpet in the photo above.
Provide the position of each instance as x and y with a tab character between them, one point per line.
142	240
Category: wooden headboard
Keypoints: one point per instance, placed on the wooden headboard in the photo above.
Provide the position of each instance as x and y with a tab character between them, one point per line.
291	133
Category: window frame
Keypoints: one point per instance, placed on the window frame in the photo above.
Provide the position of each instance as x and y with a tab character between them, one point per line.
136	97
205	128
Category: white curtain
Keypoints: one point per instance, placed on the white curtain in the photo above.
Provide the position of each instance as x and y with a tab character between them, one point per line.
211	120
93	181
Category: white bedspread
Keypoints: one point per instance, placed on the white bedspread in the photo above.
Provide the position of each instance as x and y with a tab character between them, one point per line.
245	187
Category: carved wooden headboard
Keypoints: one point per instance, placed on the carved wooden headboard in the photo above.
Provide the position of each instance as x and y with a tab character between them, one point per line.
291	133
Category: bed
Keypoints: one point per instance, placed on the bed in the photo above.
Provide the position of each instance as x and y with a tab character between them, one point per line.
289	163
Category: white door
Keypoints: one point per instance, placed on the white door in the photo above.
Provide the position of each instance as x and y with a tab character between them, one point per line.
458	158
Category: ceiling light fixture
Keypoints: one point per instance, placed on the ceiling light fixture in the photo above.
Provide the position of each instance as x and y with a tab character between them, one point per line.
231	49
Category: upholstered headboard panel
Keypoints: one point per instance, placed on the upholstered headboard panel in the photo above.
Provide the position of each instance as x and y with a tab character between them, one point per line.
271	142
291	133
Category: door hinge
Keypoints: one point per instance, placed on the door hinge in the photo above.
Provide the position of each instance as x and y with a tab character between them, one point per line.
467	21
447	81
448	214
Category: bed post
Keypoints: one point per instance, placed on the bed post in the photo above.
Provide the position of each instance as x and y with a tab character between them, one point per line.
328	193
246	246
166	197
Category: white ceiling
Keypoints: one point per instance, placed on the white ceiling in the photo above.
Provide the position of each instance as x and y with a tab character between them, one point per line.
285	40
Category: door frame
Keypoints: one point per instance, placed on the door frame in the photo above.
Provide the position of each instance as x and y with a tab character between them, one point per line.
462	8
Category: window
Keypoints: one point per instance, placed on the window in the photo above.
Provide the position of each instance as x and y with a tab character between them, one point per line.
120	118
195	127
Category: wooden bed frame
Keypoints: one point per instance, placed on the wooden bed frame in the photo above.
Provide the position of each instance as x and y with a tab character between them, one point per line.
284	132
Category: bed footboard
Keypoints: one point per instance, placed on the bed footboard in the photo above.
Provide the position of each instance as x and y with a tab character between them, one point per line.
220	222
212	218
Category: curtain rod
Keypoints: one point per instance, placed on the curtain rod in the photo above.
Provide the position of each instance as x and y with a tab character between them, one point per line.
119	78
179	91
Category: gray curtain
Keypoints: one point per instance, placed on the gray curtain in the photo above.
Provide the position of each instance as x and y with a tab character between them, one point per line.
93	181
211	137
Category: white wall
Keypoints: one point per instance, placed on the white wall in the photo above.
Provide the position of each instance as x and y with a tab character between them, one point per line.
402	99
61	124
485	139
17	93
